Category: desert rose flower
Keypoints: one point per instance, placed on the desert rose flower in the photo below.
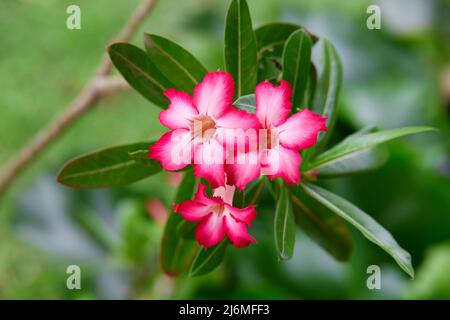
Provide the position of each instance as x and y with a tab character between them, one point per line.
197	125
217	218
280	138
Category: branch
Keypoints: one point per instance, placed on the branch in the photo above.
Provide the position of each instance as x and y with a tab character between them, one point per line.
100	84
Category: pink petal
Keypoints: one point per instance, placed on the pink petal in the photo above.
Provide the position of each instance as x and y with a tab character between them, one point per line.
245	215
225	193
237	232
282	162
209	163
273	103
214	95
181	111
192	210
246	168
301	129
173	150
237	127
210	231
201	196
234	118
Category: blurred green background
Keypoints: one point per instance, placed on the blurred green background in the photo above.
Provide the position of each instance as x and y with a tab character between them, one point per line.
396	76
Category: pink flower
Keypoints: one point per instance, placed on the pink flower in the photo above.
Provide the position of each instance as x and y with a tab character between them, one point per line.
217	218
281	140
197	125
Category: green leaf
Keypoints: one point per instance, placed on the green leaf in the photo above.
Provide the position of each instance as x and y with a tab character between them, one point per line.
364	223
177	252
186	229
140	72
326	97
269	68
240	48
297	64
284	226
310	88
177	64
141	155
361	142
272	37
207	260
250	195
321	224
356	162
253	192
247	103
329	85
109	167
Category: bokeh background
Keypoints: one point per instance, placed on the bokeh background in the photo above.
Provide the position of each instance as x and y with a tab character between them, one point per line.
396	76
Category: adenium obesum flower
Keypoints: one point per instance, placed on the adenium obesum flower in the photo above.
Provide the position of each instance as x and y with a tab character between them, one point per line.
283	137
197	125
217	218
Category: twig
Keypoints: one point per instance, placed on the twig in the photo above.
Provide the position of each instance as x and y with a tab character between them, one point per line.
100	84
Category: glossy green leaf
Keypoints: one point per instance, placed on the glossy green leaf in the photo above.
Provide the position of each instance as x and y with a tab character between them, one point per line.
364	223
140	72
247	103
241	48
109	167
310	88
321	224
177	64
329	86
284	225
177	252
272	37
297	64
326	96
253	192
250	195
356	162
207	260
361	161
269	68
141	155
186	229
362	142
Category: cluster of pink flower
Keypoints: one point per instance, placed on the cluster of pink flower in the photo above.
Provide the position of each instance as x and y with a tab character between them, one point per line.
198	125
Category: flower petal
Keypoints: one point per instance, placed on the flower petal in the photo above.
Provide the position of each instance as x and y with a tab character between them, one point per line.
201	196
192	210
282	162
214	95
237	232
209	162
273	103
173	150
237	119
210	231
181	111
245	215
244	168
225	193
300	131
